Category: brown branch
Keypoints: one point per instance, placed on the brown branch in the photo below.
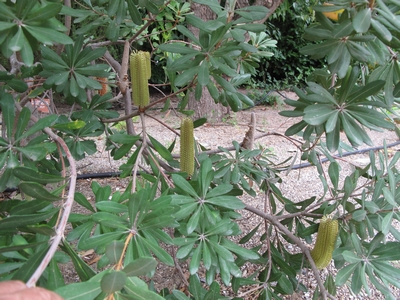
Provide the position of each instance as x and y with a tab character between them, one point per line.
304	249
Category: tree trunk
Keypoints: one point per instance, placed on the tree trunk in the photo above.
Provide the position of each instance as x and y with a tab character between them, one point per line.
206	106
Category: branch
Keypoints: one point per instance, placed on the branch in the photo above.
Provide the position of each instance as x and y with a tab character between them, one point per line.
275	222
66	207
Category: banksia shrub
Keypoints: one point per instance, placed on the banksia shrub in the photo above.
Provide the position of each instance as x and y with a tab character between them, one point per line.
140	68
187	146
324	246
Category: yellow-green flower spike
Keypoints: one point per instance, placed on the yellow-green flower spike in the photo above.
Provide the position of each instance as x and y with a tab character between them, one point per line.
140	73
325	244
187	146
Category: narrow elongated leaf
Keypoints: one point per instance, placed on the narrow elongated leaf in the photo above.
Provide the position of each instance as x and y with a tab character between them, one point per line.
114	251
8	112
195	260
111	207
39	125
161	254
37	191
195	287
56	279
140	266
240	251
113	281
26	271
134	13
362	20
81	200
219	190
84	271
204	75
181	183
177	48
99	240
369	89
381	30
110	220
344	274
161	149
318	114
80	291
19	221
333	172
230	202
48	35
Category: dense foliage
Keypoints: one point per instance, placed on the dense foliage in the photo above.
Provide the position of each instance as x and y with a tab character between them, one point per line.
196	215
288	67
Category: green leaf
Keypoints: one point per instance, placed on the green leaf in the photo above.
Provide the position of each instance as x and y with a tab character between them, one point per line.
351	129
113	281
162	255
318	114
362	20
134	13
80	291
195	260
39	125
111	207
221	189
387	252
371	88
224	84
18	85
285	284
195	287
203	76
37	191
230	202
137	289
100	240
221	251
344	274
42	14
81	200
19	221
140	266
110	220
56	279
84	271
193	221
48	35
8	112
177	48
30	266
186	76
381	30
333	172
181	183
84	58
18	41
240	251
114	250
161	149
351	257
